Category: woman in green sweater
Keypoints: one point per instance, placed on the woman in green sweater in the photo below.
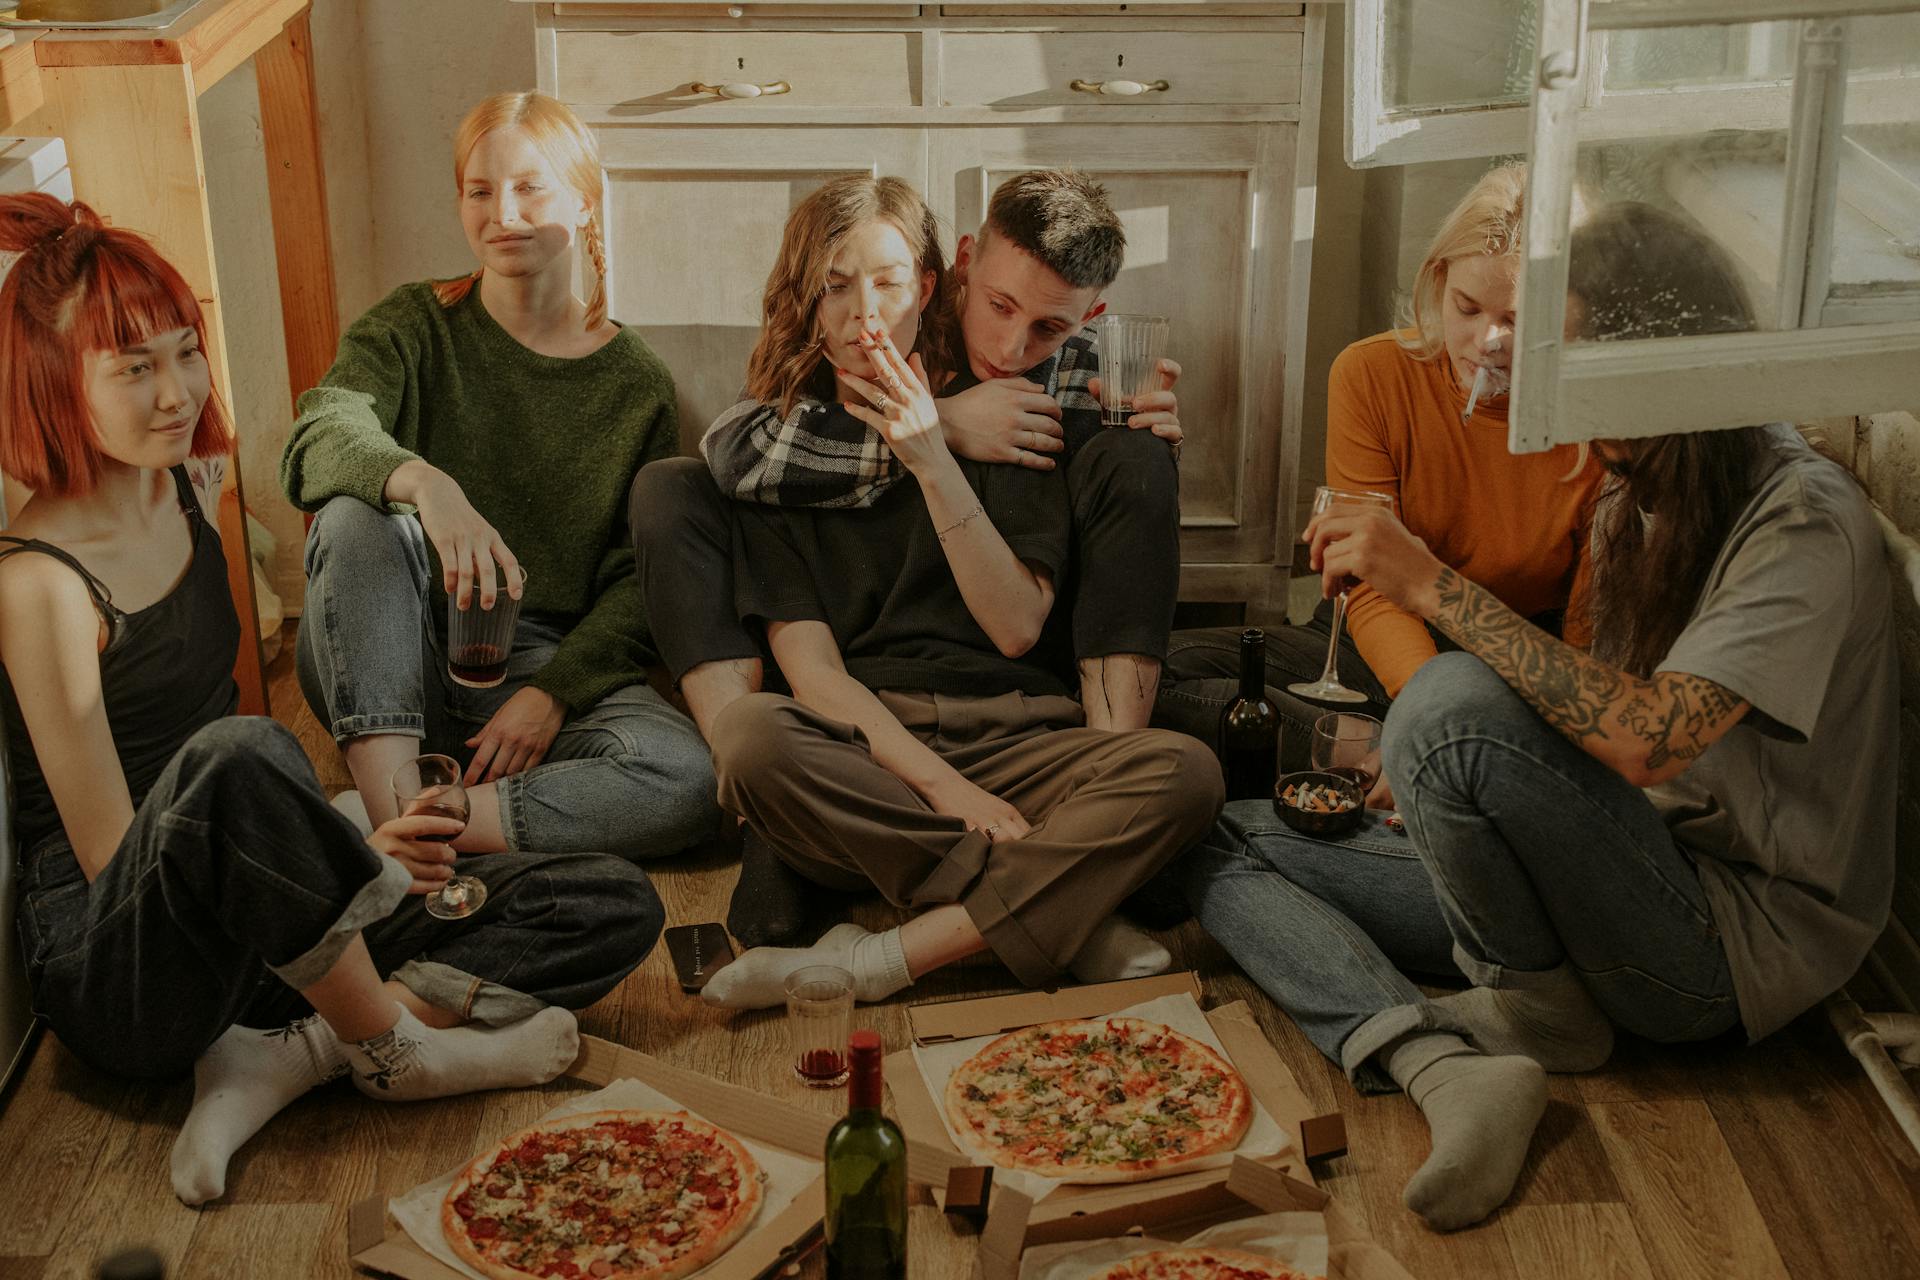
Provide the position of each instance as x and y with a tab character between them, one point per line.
471	432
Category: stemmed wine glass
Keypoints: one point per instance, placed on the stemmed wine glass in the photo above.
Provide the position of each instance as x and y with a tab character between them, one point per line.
431	785
1328	687
1347	745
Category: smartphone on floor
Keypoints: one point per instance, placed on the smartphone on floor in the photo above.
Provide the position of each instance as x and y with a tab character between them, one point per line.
698	952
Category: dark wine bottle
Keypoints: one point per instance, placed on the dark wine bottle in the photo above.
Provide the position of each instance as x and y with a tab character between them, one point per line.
133	1264
866	1223
1250	727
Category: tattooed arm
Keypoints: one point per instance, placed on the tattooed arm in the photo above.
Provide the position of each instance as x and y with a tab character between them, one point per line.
1646	730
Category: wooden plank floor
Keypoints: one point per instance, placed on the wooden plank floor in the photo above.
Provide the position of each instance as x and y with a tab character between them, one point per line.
1714	1162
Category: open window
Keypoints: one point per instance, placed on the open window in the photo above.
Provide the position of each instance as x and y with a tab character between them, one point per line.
1811	190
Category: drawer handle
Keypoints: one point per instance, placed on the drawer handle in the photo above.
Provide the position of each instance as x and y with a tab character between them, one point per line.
1120	88
738	89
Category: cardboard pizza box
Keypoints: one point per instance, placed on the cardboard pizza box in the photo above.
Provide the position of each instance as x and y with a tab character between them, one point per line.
1249	1188
377	1247
1088	1212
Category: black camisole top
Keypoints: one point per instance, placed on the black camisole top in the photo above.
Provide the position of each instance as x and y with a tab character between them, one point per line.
166	673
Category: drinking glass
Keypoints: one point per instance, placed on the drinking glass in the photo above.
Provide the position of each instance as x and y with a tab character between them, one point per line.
479	641
1347	745
431	785
820	1019
1328	687
1130	347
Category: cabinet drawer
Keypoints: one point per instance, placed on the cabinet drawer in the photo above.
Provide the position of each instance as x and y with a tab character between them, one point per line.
603	68
1040	68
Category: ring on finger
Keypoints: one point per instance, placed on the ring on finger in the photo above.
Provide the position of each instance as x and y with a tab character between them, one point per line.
881	402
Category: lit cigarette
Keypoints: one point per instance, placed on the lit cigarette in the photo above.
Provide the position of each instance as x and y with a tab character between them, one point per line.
1473	396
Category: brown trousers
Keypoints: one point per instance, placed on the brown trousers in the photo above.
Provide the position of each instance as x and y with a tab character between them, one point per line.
1107	811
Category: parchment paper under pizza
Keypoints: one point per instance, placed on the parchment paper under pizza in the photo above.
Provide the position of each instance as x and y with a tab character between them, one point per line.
627	1129
1142	1093
1273	1246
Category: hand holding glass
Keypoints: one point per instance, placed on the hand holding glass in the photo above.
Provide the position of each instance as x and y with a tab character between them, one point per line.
1129	349
1328	687
1347	745
480	640
430	785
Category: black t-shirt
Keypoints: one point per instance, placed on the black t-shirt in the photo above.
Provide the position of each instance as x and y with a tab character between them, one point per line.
879	578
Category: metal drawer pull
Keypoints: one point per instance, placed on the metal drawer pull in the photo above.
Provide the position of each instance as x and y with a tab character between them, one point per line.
737	89
1120	88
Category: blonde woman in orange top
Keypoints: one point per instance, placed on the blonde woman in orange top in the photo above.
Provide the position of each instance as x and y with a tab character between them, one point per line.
1397	424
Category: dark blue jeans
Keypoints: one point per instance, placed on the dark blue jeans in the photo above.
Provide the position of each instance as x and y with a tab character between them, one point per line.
1524	853
238	884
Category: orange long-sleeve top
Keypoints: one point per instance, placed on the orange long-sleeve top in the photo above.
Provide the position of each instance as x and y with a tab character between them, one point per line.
1509	522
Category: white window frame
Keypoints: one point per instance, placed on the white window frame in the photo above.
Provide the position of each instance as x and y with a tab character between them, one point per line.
1568	393
1378	134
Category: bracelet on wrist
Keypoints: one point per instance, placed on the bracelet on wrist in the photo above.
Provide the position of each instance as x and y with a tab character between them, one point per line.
977	511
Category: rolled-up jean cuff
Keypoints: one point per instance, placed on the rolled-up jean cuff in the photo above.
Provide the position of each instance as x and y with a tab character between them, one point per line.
513	822
408	724
1007	937
1359	1054
374	901
1484	973
475	999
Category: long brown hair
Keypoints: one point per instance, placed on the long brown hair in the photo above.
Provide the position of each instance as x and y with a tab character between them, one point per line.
1637	272
788	364
559	136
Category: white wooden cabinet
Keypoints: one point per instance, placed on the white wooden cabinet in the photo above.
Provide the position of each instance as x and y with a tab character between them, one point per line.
1201	118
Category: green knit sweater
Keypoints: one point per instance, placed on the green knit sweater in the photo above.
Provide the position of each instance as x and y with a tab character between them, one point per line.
544	447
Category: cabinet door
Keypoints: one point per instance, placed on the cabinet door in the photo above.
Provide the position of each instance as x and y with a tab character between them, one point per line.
694	217
1209	235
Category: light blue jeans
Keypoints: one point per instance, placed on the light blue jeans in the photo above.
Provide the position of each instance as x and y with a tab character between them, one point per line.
630	775
1523	854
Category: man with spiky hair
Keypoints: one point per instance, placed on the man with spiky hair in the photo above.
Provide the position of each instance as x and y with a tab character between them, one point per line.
1027	393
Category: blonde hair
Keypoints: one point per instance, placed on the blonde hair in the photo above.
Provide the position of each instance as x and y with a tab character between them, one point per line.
1487	221
559	136
787	362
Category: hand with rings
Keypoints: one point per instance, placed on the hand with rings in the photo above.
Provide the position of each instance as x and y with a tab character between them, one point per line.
902	410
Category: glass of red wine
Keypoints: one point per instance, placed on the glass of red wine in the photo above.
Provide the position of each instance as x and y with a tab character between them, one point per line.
820	1019
480	640
1347	745
431	785
1328	688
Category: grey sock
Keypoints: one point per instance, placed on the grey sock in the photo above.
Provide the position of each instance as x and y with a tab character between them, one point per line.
1552	1020
1481	1113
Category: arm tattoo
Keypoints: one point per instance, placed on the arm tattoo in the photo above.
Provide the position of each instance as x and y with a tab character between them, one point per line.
1671	718
1571	691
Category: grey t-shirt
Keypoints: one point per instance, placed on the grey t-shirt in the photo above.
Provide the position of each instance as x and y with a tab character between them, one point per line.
1790	815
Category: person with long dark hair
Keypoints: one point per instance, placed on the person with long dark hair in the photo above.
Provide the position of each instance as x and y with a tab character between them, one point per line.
1685	832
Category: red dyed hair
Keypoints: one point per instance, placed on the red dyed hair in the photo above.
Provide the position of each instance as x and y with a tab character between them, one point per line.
80	286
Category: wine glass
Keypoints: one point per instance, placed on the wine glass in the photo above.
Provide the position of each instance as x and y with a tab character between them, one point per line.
1347	745
1328	687
431	785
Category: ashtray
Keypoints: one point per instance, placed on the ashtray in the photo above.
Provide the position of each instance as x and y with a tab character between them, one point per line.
1329	789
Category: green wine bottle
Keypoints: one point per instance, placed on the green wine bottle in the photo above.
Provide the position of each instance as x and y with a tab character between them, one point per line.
866	1223
1250	726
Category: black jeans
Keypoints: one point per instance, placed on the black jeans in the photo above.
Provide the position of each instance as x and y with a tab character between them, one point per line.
238	884
1202	675
1125	570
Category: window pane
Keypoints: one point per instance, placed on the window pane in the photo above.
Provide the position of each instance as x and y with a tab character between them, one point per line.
1874	267
1671	57
1442	53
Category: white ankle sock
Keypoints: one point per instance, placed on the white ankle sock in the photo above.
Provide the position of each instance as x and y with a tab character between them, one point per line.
757	979
413	1061
1481	1113
241	1082
1115	951
1554	1021
350	803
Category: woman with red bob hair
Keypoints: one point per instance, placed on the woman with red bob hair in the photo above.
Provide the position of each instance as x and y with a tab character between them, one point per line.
189	898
